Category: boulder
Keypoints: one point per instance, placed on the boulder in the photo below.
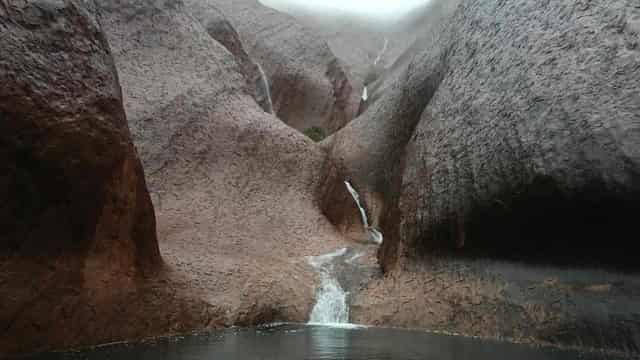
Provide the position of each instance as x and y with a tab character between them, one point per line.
532	134
78	226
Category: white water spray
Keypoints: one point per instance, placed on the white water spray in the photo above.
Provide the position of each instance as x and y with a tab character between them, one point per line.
365	94
374	235
331	304
264	83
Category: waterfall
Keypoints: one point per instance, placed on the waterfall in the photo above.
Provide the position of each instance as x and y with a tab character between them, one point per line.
267	104
374	235
356	198
331	304
384	49
365	94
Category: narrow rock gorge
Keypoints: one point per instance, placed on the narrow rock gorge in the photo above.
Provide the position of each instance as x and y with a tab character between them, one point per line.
233	186
310	87
172	166
509	212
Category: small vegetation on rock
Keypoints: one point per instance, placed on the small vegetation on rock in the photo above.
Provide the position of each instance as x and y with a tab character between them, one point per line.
315	133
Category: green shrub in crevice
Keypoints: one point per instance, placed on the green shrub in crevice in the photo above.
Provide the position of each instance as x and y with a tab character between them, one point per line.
315	133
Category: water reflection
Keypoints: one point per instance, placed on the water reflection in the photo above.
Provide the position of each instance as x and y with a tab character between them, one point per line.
327	343
322	343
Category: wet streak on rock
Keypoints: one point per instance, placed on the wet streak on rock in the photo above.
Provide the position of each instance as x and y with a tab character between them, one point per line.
369	150
219	27
310	86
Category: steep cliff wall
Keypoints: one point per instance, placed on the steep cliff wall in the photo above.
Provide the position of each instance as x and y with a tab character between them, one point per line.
234	187
78	226
526	151
309	86
532	135
221	29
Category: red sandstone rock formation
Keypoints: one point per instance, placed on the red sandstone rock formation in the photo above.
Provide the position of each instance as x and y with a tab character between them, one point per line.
525	147
219	28
235	188
309	86
485	147
78	225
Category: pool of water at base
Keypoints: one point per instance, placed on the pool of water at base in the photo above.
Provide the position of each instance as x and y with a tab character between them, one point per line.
291	341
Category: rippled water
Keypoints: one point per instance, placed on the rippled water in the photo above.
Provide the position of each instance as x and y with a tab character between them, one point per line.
297	342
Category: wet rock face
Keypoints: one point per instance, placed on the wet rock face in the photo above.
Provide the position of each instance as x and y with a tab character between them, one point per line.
222	31
74	208
418	34
584	308
234	187
309	86
370	150
166	60
65	140
509	133
530	147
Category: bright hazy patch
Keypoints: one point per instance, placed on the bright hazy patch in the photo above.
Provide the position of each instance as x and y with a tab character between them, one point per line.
378	9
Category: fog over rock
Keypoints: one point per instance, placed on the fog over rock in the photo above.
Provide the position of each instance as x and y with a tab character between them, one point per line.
309	85
376	47
221	29
374	11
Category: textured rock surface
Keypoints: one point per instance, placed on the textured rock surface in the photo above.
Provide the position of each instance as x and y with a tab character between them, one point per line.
77	224
528	150
222	31
411	39
513	135
534	133
308	84
369	151
583	308
356	42
234	187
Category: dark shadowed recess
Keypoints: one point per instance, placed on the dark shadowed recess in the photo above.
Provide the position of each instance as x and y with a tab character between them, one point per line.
42	211
541	223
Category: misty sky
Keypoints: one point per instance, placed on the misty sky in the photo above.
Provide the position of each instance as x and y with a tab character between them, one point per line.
377	9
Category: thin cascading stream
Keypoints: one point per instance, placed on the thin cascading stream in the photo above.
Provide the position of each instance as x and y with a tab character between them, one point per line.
365	91
384	50
374	234
356	198
266	90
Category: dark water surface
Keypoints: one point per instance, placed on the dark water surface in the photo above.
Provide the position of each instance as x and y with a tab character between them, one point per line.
317	342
